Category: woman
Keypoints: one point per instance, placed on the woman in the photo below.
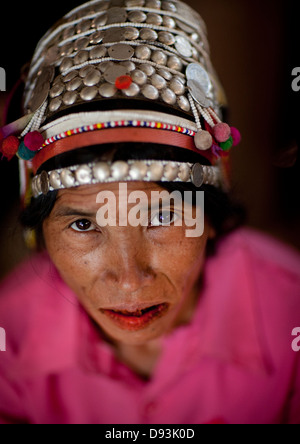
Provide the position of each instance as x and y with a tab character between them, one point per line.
143	305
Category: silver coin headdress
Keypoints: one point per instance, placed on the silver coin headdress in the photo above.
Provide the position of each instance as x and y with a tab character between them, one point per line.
121	71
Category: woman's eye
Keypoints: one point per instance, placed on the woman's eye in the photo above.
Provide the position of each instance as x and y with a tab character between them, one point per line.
83	225
163	218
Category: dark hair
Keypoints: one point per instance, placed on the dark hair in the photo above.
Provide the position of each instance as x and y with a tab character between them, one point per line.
221	210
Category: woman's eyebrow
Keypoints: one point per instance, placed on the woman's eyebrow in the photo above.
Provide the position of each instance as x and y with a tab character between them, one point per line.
68	211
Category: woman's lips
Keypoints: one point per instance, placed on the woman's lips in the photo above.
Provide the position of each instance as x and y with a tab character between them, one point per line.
136	320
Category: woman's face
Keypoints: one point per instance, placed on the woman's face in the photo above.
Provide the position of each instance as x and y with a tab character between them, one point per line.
136	282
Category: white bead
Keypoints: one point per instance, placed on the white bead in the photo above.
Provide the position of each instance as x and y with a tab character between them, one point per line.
83	175
119	170
101	171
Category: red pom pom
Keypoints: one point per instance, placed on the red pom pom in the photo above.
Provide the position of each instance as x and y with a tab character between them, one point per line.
123	82
236	136
10	146
221	132
34	141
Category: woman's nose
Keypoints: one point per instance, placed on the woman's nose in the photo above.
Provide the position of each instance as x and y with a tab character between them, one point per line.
128	266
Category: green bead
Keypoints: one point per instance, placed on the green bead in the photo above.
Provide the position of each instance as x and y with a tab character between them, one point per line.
226	146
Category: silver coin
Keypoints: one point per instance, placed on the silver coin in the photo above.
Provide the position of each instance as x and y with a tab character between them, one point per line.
70	98
169	22
66	64
132	91
159	57
121	52
198	94
184	103
114	35
81	57
158	81
113	72
56	90
143	52
134	3
52	54
99	21
116	15
177	86
67	178
197	74
55	104
67	33
101	171
66	49
169	96
183	46
131	33
137	17
97	37
153	4
154	19
166	38
101	6
83	175
83	72
150	92
168	6
104	66
98	52
139	77
107	90
83	26
44	181
70	76
93	78
54	180
199	84
165	74
89	93
149	35
174	62
149	70
41	91
81	43
74	84
130	66
197	175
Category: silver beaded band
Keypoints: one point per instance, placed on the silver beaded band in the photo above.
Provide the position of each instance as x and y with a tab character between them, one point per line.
121	171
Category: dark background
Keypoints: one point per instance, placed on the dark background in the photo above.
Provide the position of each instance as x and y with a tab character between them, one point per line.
254	46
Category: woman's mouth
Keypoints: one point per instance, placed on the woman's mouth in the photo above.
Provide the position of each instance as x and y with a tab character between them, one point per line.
136	320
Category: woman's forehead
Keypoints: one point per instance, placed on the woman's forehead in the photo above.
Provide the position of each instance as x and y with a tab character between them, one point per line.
87	195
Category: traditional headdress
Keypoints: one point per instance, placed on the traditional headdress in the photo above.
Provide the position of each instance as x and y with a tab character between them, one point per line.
121	71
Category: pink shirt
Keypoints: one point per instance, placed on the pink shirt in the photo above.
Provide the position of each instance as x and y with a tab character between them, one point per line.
232	364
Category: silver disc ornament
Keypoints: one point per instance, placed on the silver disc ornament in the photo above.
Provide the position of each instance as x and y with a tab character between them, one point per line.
199	84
